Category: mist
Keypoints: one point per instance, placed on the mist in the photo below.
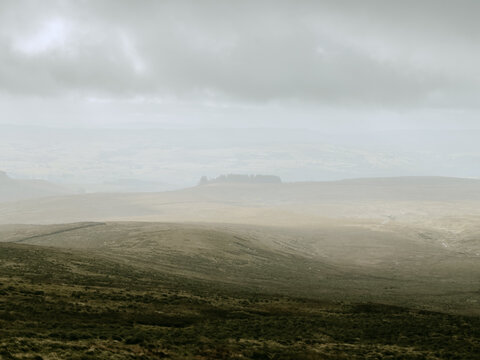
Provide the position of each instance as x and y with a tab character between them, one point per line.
309	91
248	179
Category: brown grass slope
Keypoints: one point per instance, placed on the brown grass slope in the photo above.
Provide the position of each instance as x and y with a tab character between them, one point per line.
79	304
336	262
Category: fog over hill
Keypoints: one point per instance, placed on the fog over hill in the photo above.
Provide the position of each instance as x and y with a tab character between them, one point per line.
157	159
254	179
384	199
14	189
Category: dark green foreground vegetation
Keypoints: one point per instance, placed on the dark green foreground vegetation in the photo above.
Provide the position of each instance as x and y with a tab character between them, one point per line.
58	304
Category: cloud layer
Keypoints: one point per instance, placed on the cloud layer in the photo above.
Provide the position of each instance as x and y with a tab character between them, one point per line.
338	53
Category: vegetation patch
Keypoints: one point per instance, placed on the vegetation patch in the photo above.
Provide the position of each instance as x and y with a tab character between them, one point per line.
115	311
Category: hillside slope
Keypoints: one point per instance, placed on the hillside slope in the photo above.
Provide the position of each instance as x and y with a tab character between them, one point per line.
335	262
78	304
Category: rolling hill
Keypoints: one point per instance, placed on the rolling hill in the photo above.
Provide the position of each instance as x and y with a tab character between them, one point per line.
409	199
368	268
135	290
337	262
15	190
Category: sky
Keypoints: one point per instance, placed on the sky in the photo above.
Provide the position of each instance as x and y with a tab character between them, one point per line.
328	66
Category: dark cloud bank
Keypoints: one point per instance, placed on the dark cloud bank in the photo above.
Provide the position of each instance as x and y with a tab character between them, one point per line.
376	53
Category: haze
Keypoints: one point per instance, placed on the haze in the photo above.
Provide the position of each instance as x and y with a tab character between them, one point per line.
321	90
239	179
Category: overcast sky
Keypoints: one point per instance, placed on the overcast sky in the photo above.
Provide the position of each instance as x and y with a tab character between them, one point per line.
311	64
346	69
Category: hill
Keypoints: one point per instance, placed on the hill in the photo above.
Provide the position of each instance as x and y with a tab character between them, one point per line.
410	199
337	262
15	190
157	290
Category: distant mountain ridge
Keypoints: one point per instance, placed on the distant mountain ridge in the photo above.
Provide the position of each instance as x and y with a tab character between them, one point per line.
15	189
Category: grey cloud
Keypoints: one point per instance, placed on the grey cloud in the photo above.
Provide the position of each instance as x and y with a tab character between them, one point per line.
380	53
